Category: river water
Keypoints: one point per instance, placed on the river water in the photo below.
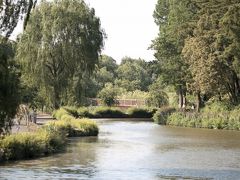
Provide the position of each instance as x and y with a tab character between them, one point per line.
138	150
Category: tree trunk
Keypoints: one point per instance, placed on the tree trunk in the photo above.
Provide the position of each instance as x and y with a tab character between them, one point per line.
199	102
180	98
184	104
56	101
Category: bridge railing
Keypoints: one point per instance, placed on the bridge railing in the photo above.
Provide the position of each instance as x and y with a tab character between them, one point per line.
120	102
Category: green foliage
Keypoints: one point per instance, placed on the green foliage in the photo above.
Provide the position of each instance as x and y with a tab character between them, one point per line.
106	112
137	94
108	95
59	113
174	19
132	75
9	85
60	45
229	120
48	139
140	113
217	106
74	127
157	97
30	145
84	112
161	116
12	12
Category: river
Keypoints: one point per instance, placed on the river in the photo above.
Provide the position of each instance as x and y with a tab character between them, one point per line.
138	150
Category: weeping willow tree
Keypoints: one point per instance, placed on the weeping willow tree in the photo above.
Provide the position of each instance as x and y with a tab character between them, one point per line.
9	85
62	41
11	11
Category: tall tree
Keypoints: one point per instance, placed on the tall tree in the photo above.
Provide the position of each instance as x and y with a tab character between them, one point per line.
62	42
9	85
174	19
11	11
212	53
132	74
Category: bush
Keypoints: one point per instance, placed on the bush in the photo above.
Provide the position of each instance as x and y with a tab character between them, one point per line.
104	112
140	113
108	95
84	112
216	107
229	120
72	127
49	138
59	113
72	110
161	116
107	112
30	145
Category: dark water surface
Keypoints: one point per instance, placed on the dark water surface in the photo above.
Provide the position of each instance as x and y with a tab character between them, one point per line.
138	150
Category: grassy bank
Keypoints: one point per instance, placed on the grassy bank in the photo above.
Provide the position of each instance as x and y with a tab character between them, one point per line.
212	118
105	112
48	139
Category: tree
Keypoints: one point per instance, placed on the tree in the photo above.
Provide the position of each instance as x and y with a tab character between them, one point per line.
157	97
11	12
132	75
61	43
174	19
212	53
9	85
108	95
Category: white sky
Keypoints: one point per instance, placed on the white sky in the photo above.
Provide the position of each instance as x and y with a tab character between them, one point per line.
129	26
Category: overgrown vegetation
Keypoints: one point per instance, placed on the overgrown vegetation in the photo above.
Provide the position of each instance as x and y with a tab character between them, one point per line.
49	138
214	116
105	112
30	145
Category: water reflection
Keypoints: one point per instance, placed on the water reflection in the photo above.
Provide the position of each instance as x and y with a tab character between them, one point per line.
139	150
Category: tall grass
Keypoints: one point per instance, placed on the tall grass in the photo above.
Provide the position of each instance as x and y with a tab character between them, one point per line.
30	145
222	120
48	139
105	112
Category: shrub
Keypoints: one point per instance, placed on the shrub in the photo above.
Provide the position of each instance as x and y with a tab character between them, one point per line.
108	95
161	116
30	145
59	113
49	138
216	107
72	111
84	112
74	127
107	112
221	120
140	112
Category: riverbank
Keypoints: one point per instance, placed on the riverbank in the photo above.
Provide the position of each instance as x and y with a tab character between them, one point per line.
105	112
138	150
46	139
208	118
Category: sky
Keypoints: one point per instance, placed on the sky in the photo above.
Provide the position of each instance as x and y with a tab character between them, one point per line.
129	26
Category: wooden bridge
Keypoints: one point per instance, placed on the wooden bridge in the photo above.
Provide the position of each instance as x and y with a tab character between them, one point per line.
120	102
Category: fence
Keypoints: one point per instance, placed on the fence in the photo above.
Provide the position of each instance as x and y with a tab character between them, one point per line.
120	102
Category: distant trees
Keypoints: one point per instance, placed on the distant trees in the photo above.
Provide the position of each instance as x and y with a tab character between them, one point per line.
61	43
132	74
